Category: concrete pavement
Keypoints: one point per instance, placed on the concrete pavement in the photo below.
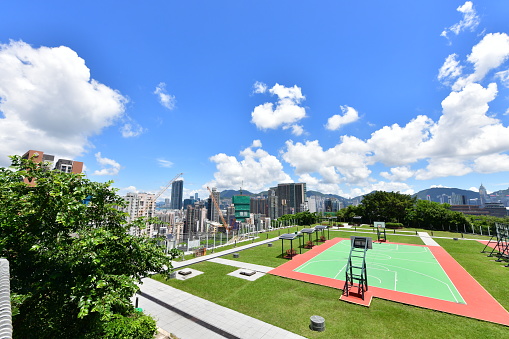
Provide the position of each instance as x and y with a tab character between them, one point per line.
190	317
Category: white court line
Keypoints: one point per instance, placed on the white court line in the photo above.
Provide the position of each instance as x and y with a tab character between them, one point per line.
429	277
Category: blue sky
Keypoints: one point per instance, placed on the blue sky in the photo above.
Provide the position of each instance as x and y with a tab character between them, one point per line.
349	97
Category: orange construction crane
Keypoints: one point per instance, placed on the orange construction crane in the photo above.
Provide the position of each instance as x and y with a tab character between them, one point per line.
226	227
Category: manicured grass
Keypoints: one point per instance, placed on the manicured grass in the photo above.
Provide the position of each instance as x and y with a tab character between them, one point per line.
289	303
489	273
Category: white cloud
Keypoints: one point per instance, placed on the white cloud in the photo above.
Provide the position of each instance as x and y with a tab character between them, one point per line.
337	121
469	21
492	163
297	130
255	172
346	162
450	70
443	167
259	87
124	190
504	77
398	174
165	99
491	52
256	144
439	186
164	163
113	169
395	145
286	112
131	129
49	102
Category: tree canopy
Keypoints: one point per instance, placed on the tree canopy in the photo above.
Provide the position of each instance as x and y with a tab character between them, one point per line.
386	206
74	267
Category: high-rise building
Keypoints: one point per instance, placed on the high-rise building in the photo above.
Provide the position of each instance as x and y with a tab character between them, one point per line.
259	205
483	195
273	205
213	214
291	198
177	191
140	205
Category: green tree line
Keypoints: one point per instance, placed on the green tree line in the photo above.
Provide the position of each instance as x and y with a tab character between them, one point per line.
395	207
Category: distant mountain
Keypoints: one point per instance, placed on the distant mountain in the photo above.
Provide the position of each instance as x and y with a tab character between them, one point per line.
320	194
228	194
435	193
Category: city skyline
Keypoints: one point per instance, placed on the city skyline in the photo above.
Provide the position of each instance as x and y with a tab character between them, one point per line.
345	97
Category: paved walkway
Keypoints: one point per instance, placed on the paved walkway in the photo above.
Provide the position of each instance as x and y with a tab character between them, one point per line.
190	317
427	239
244	265
179	264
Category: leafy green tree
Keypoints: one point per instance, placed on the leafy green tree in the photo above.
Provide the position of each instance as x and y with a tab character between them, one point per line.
74	267
386	206
433	215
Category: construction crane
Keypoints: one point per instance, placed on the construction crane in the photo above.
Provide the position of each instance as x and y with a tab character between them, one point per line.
168	185
142	211
219	210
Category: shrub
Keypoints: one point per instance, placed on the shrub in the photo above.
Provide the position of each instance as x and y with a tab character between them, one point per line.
136	326
393	225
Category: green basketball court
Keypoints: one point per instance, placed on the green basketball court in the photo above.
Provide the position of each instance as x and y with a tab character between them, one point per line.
397	267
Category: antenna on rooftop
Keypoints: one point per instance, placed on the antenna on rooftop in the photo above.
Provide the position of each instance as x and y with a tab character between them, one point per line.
241	187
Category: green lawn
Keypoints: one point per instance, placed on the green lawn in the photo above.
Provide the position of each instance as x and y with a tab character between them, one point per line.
289	304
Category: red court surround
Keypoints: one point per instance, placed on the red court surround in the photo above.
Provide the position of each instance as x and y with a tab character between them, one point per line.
479	303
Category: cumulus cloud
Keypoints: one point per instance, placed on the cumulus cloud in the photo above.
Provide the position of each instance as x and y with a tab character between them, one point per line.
346	162
395	145
469	21
398	173
285	113
296	129
443	167
492	163
335	122
49	101
457	144
256	171
491	52
165	99
110	166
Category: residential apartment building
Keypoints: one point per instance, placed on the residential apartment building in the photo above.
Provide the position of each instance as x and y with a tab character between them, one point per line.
141	205
291	198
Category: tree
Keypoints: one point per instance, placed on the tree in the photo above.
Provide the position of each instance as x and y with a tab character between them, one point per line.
386	206
74	267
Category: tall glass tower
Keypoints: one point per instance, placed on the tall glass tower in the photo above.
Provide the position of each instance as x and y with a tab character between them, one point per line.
177	191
